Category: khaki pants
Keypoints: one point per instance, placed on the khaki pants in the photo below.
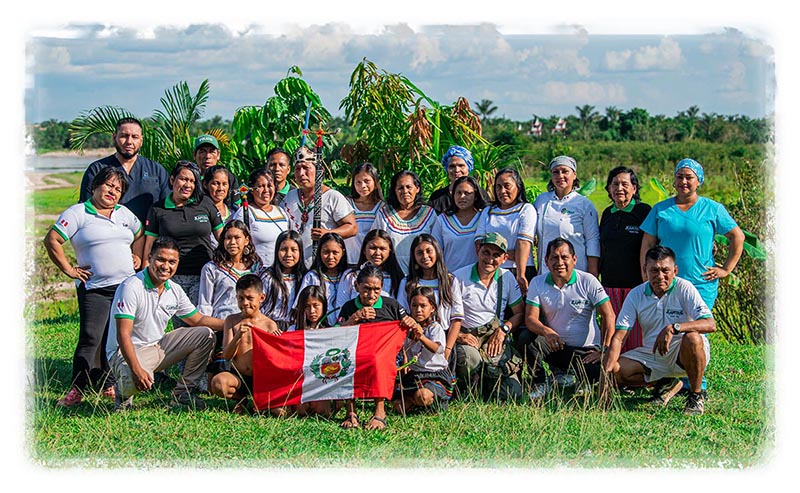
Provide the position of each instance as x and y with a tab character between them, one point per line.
193	343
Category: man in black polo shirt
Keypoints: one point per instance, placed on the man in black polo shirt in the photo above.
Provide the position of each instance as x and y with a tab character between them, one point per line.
457	162
279	162
148	180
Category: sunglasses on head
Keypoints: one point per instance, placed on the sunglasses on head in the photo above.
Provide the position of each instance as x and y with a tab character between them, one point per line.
187	164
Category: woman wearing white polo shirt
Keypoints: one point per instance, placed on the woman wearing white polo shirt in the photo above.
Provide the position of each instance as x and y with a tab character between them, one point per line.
514	218
565	213
106	239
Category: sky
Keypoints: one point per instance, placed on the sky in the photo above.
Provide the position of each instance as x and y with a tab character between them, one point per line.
528	57
85	65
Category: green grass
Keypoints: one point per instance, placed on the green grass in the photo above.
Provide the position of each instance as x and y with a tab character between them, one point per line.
737	429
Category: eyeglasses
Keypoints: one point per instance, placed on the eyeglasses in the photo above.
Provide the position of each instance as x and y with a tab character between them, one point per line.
187	164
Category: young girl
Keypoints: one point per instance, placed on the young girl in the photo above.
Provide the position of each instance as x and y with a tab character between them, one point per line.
366	198
326	272
427	382
217	185
457	225
315	305
367	307
234	257
428	269
378	250
282	279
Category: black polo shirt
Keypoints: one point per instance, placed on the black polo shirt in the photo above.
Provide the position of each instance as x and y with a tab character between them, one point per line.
386	310
148	182
191	226
620	243
440	200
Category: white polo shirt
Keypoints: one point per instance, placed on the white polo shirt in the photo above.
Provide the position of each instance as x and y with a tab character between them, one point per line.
573	218
570	310
265	228
480	301
681	303
447	314
335	207
138	300
515	223
104	243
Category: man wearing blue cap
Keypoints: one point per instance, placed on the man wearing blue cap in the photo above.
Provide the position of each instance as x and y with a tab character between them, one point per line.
457	162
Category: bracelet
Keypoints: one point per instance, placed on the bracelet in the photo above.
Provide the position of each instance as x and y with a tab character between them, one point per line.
448	347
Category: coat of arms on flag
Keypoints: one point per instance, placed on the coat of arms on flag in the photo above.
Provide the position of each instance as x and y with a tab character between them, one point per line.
353	362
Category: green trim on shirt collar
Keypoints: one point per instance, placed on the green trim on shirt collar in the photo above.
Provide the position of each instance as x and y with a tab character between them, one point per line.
648	291
378	304
148	283
169	204
91	209
285	188
572	279
627	208
474	277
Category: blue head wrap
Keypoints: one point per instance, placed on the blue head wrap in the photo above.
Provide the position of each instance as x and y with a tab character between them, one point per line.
461	152
693	165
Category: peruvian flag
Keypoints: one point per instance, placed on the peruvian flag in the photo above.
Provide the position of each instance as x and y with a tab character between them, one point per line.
353	362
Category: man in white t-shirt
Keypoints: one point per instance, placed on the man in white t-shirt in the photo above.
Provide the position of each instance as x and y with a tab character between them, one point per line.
137	343
673	317
337	215
561	322
480	349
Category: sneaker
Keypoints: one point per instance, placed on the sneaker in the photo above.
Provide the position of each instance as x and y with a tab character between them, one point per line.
109	392
540	390
565	380
72	398
664	390
694	403
121	403
190	400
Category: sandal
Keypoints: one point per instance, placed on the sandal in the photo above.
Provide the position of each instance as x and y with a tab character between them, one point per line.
350	421
382	421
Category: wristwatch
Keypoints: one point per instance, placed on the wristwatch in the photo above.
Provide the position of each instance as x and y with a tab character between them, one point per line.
506	329
676	329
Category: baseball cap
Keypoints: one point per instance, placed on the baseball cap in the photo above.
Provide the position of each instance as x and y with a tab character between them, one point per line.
206	139
497	240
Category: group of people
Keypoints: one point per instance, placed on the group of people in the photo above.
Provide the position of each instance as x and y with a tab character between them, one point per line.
453	270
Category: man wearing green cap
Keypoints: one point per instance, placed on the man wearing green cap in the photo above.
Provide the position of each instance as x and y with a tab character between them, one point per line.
206	152
482	356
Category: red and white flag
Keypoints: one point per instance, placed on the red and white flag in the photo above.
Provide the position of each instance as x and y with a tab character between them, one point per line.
353	362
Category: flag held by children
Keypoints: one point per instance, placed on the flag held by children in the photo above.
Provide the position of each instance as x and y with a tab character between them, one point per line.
353	362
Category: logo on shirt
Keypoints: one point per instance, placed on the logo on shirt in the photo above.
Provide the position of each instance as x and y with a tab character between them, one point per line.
63	222
120	305
632	229
171	308
580	304
564	210
674	313
201	218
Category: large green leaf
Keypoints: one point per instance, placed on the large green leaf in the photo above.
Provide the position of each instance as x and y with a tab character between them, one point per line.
752	245
588	187
659	189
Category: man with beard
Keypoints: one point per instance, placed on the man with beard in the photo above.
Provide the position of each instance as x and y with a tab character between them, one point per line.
148	180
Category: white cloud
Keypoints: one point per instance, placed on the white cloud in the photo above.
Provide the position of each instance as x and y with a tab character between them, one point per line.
736	77
584	93
667	55
567	60
427	50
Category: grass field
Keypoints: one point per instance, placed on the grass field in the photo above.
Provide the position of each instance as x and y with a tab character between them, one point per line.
737	430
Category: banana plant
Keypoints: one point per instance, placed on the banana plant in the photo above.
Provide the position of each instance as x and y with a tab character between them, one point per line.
166	134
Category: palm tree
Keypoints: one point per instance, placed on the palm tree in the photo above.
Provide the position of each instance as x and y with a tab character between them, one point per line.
587	116
691	119
485	108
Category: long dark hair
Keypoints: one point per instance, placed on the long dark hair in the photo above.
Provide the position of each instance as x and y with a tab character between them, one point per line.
479	203
522	197
249	255
390	266
634	181
392	198
377	193
309	292
319	268
254	176
439	269
274	273
197	193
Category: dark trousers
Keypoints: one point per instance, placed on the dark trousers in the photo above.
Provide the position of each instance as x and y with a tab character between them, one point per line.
89	364
535	350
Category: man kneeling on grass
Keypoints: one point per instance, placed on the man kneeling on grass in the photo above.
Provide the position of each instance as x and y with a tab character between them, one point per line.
138	344
673	317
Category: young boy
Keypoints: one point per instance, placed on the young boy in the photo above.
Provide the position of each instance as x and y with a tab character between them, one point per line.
237	341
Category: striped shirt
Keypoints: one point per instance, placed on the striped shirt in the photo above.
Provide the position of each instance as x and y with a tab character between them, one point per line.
403	232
